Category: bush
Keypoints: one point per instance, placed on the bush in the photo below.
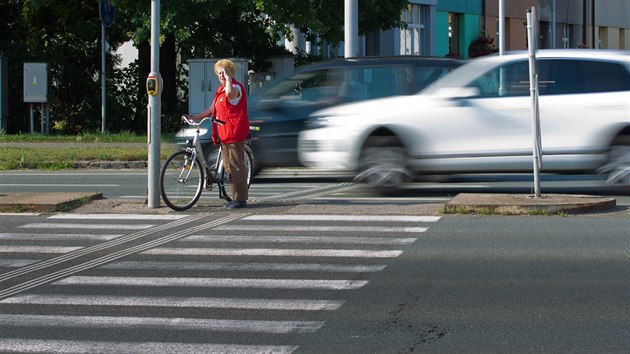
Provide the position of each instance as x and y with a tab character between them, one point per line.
480	46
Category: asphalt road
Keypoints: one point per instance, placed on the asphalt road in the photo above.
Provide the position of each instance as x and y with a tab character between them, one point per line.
132	184
287	280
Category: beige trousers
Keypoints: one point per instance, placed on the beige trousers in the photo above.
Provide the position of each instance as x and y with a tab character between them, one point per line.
233	156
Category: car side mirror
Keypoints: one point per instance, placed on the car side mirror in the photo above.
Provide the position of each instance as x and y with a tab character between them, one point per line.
457	92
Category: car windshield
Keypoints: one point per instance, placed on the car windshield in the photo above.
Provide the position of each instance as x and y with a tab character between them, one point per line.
459	77
347	84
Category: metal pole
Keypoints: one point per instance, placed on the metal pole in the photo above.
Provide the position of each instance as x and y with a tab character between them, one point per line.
32	119
501	26
595	45
553	24
154	112
351	28
533	88
103	96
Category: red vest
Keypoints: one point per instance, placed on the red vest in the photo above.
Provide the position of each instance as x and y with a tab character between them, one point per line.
236	127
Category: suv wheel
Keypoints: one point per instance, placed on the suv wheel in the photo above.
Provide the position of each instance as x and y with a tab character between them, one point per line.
383	164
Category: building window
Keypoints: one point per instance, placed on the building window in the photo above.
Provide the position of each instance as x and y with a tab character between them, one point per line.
412	39
566	37
453	35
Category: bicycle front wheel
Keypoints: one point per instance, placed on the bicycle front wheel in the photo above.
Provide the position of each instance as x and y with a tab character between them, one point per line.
224	180
181	181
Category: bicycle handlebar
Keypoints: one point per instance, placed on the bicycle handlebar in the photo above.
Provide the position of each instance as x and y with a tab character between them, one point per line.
186	119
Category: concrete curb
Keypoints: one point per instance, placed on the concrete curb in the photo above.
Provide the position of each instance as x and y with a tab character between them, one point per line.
44	202
523	204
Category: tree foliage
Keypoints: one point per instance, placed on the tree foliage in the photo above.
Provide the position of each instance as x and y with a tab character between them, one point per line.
66	35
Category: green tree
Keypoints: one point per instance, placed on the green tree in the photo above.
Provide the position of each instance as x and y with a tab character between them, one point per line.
66	35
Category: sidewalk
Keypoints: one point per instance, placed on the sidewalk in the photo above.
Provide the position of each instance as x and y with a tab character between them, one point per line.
465	203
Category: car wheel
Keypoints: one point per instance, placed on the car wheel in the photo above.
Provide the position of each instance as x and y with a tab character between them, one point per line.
383	164
618	165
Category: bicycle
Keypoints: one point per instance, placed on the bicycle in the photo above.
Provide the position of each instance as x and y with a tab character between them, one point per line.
186	172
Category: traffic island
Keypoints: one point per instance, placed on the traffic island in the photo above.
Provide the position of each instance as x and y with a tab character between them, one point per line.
44	202
523	204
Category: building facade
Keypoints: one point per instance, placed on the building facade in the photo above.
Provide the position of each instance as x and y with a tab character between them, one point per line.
447	27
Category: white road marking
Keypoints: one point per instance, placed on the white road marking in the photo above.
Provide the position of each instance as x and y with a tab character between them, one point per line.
177	302
118	216
86	226
22	345
37	249
269	252
303	239
362	229
12	263
56	185
215	282
35	237
162	323
257	267
327	217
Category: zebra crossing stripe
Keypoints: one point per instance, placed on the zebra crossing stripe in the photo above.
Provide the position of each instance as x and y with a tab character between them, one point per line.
96	237
37	249
236	266
86	226
162	323
215	282
303	239
176	302
22	345
118	216
295	228
332	217
273	252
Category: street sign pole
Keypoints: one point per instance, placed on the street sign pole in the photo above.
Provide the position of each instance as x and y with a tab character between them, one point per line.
154	110
106	11
103	95
532	35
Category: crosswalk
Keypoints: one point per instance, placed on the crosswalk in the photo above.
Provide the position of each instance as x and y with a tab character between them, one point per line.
243	284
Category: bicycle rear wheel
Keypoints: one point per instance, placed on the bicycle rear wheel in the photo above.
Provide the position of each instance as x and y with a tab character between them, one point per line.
224	180
181	181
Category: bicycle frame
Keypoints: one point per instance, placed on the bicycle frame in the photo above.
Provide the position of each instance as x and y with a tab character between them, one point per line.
194	149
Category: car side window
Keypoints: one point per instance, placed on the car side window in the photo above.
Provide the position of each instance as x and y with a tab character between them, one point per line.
570	76
511	79
312	89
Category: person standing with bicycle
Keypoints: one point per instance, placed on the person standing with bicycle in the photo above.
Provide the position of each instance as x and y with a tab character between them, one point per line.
229	107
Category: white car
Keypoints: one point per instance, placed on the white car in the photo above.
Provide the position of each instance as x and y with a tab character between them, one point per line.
478	118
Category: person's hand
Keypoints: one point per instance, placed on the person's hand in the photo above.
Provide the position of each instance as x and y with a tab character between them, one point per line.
225	74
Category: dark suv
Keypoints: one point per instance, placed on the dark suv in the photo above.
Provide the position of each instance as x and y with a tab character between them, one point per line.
281	109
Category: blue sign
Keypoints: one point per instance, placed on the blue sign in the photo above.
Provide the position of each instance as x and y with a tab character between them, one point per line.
106	10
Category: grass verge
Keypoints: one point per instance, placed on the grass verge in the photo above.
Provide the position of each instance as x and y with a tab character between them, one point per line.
53	155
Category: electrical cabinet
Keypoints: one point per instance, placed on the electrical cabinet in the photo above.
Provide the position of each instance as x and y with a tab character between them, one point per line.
203	82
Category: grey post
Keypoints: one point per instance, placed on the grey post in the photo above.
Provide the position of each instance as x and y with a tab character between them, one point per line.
351	28
154	112
532	35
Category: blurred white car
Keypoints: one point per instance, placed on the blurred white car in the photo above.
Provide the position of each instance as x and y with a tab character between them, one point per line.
478	118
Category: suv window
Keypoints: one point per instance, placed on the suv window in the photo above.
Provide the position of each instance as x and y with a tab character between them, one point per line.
555	77
511	79
569	76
